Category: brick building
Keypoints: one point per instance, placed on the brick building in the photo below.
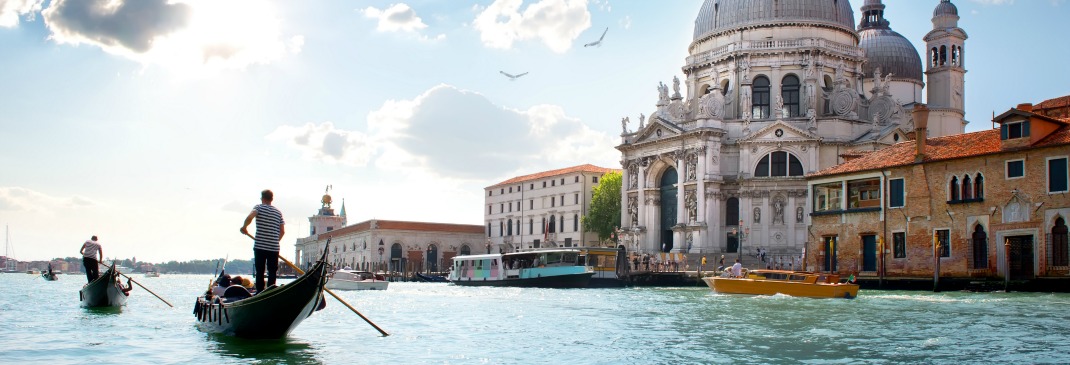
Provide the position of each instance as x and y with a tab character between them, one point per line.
988	203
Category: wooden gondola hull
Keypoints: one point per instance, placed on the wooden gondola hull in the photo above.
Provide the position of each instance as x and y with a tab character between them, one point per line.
104	291
268	315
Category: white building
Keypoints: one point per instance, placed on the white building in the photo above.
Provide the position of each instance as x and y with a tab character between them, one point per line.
776	89
385	244
541	210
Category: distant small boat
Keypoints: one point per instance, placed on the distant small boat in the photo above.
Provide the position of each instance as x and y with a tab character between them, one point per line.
152	274
104	291
346	279
271	314
431	278
793	283
542	268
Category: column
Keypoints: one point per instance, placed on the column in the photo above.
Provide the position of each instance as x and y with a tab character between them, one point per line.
678	237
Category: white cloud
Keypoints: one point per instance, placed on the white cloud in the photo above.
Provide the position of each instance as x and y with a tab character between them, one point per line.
188	35
25	200
626	22
11	10
400	18
556	23
453	133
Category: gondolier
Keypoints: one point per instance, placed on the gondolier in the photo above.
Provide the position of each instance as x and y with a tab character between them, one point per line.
270	228
90	250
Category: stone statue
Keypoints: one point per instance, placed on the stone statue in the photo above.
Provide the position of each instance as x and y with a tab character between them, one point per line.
757	215
886	84
675	87
633	210
798	214
779	103
642	119
778	212
663	93
744	66
811	123
812	95
839	72
633	177
692	207
624	125
809	64
692	165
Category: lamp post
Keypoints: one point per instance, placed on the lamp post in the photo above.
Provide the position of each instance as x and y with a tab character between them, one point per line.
740	234
381	249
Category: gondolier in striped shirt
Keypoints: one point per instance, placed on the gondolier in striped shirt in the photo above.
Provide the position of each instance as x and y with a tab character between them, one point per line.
269	231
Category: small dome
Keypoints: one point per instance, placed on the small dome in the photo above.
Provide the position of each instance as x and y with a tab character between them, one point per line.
891	52
945	8
720	15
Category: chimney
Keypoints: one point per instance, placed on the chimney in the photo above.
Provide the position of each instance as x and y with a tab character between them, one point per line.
921	126
1026	107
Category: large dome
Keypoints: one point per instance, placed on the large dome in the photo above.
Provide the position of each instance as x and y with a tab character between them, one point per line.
891	52
720	15
884	47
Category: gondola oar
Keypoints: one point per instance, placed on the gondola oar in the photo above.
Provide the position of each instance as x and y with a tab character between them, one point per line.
302	272
139	284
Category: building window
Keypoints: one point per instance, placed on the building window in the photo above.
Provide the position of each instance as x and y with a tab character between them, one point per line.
979	187
967	188
553	182
562	181
490	209
503	191
575	223
1014	130
552	201
1057	175
562	200
553	224
594	179
943	239
501	208
531	225
562	227
501	229
577	179
980	248
510	189
827	197
531	186
896	195
760	98
577	199
899	245
789	90
953	189
864	193
518	226
1060	250
778	163
544	184
510	231
510	206
531	203
488	229
490	192
1015	169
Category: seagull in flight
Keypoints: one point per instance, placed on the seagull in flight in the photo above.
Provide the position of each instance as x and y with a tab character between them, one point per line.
511	76
598	43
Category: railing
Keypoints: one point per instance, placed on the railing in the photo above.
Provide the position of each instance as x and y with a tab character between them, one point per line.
773	45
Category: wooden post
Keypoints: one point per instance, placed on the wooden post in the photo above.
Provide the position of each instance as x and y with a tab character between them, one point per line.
936	257
1006	264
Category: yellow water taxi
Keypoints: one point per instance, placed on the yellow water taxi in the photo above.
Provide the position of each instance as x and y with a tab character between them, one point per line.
793	283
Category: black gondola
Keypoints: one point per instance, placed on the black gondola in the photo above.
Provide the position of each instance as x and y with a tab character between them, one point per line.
49	275
104	291
270	314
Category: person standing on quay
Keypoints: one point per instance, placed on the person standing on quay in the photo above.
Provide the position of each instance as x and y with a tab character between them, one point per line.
269	231
90	250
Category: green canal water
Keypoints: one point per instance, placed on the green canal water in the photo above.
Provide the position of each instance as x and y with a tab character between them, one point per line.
434	323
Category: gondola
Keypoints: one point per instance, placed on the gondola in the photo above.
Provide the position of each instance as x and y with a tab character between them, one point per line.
104	291
271	314
49	275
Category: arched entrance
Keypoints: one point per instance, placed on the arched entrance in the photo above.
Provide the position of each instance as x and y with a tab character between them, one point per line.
432	258
395	257
667	187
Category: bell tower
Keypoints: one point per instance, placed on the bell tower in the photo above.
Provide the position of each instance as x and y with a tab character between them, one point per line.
945	70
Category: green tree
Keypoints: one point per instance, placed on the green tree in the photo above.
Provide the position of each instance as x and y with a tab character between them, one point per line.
604	216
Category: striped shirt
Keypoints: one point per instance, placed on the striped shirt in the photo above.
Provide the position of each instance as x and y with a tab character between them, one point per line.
90	249
268	224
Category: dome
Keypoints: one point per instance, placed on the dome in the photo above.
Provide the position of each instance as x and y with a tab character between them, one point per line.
945	8
720	15
891	52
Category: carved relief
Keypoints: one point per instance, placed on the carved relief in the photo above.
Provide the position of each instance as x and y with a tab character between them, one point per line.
778	210
757	215
692	166
633	177
798	214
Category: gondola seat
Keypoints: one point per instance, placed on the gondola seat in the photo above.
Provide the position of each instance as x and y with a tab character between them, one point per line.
236	292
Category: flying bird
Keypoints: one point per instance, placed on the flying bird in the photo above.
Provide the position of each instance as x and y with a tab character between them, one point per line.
511	76
598	43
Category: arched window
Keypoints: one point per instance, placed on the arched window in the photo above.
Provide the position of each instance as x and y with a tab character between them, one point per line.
953	188
731	212
575	222
789	90
760	98
1059	249
518	227
934	56
967	188
979	187
980	248
724	86
954	55
510	227
943	55
778	163
465	250
531	225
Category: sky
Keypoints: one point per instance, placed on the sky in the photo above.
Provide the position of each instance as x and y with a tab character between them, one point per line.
155	124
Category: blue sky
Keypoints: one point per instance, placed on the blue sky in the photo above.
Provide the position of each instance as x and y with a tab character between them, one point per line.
158	134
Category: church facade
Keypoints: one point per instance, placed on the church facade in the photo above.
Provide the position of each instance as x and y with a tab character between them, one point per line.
775	90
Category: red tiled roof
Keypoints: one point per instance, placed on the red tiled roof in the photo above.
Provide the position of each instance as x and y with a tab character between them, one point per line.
937	149
406	226
1062	101
564	171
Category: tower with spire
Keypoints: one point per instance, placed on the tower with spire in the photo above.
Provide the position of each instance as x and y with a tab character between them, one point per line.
325	220
945	69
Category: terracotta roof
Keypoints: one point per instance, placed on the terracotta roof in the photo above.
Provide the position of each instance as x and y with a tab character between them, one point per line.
564	171
938	149
1062	101
405	226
